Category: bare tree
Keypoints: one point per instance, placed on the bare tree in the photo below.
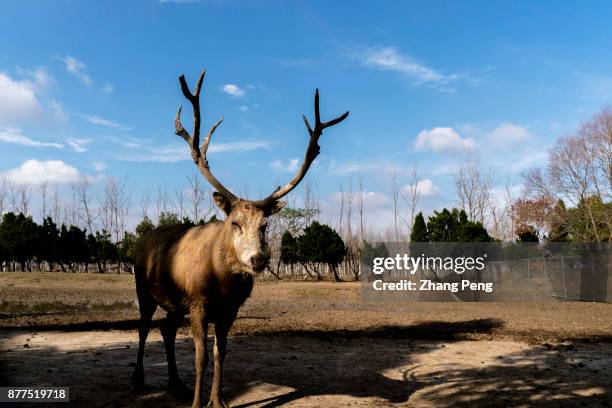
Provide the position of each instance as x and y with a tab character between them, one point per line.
43	192
13	196
74	208
57	205
23	191
311	201
536	184
349	209
144	203
473	186
116	203
360	209
341	210
411	196
352	243
161	201
502	224
179	194
85	209
395	194
579	171
202	206
3	194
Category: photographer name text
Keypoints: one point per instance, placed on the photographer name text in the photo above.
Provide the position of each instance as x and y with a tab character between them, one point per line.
429	285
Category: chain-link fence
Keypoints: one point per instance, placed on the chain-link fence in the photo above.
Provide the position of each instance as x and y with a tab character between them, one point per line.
516	273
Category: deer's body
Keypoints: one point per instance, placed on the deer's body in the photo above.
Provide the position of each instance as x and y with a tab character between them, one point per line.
177	265
208	271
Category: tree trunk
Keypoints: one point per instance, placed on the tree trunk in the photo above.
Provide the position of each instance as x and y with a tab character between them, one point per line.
335	272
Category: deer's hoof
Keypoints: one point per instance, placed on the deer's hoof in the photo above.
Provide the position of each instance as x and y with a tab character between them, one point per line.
217	403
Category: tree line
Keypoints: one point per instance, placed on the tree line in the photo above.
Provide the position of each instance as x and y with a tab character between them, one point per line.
26	245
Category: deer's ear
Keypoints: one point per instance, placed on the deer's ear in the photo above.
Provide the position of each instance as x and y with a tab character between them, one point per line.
275	207
222	202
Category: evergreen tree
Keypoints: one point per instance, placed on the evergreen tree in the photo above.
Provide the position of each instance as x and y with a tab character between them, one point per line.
106	250
144	227
369	252
558	227
168	218
127	248
454	226
419	231
289	249
321	244
49	242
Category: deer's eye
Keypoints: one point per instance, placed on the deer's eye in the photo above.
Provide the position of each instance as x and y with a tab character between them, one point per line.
237	226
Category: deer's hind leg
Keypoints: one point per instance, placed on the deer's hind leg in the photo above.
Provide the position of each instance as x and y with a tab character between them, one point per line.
147	306
168	330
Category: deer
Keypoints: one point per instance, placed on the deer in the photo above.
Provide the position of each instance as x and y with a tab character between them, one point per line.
208	271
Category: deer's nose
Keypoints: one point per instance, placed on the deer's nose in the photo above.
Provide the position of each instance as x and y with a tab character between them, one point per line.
258	262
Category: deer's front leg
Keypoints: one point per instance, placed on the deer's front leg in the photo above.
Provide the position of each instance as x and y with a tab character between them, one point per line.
216	394
199	328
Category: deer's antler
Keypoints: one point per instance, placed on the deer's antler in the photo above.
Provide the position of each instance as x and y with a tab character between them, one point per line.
199	153
311	152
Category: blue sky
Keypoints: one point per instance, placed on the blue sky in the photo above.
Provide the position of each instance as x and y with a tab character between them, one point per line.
91	89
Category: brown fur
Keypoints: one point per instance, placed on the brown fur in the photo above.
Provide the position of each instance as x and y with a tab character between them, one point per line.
199	270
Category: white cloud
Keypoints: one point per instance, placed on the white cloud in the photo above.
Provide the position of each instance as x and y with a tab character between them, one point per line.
79	145
244	146
508	134
372	199
244	108
233	90
76	68
18	100
381	166
391	59
290	166
108	88
39	76
442	139
57	110
97	120
15	136
129	142
99	166
178	153
36	172
425	188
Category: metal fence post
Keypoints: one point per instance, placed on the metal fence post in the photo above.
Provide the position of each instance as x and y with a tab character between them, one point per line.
563	271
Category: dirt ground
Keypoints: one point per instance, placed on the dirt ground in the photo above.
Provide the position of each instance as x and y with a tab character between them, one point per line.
312	345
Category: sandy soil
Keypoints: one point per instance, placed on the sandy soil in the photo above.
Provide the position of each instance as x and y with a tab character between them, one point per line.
320	371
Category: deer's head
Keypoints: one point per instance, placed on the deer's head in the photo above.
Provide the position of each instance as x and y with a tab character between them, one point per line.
246	220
